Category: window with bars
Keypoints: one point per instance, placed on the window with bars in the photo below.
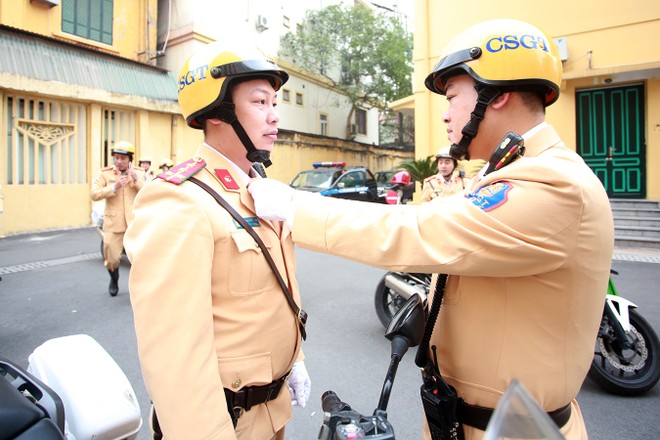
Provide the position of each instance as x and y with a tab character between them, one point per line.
45	141
91	19
361	121
323	119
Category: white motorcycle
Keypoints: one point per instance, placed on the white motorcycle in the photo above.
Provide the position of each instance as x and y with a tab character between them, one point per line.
72	389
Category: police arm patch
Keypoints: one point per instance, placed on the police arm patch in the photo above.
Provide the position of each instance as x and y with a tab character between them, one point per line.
491	196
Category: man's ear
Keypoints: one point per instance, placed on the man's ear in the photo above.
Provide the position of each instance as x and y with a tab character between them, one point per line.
214	121
501	100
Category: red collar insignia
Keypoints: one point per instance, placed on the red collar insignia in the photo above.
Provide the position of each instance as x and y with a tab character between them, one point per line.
226	179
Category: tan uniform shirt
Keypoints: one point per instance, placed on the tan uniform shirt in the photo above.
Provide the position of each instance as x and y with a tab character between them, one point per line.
118	205
436	186
209	312
528	253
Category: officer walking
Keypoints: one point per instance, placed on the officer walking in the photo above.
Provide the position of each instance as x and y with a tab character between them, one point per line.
527	248
209	309
118	185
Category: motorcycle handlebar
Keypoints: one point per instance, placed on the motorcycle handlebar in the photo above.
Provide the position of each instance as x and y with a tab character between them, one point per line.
331	403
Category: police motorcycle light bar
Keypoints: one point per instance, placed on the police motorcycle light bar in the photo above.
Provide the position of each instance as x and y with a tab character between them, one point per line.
328	164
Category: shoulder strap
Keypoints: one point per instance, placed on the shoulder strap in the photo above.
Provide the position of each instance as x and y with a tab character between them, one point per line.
421	359
300	313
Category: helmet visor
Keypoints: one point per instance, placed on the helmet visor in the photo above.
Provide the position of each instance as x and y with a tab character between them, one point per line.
435	81
249	68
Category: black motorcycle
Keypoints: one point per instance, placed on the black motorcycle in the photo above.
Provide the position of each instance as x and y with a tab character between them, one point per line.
340	421
626	355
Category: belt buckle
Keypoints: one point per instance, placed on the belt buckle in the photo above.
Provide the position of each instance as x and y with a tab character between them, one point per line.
238	411
302	316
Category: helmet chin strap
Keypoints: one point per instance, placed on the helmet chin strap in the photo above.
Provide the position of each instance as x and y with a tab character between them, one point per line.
485	96
226	113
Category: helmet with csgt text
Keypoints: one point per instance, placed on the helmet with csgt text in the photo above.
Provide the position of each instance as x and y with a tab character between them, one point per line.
206	76
123	147
506	54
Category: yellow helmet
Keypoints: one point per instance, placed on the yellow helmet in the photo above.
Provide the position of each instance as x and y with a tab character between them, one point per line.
123	147
443	153
206	76
166	163
506	54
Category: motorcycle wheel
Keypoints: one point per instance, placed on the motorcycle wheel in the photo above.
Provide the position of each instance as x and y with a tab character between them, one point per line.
633	371
387	302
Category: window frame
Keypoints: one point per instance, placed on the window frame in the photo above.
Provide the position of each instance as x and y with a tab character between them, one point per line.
361	121
97	23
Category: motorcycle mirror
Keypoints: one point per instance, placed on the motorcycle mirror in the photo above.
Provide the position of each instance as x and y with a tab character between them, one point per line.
408	322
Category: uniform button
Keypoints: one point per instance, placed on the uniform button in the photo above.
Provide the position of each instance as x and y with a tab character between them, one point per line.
236	383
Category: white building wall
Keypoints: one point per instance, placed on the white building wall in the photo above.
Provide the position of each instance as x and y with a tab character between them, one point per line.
197	22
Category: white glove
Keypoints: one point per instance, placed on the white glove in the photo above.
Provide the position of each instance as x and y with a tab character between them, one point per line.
273	200
299	384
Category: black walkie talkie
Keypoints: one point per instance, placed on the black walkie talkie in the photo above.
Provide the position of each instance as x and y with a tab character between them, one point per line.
511	147
259	168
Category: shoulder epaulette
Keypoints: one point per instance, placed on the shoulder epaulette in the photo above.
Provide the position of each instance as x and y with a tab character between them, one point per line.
182	172
106	168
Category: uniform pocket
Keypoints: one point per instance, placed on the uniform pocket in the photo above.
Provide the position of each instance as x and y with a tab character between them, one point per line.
108	220
252	370
250	273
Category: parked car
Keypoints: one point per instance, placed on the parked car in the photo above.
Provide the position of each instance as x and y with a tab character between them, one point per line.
335	179
384	184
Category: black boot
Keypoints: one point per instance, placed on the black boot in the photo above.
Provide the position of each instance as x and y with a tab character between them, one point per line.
113	288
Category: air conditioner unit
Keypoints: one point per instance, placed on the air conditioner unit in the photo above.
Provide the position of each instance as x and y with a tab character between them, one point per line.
262	22
49	3
562	47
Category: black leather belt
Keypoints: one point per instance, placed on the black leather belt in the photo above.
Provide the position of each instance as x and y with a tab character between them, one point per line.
247	397
478	416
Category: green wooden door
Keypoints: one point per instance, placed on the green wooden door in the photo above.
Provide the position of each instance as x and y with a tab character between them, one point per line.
611	138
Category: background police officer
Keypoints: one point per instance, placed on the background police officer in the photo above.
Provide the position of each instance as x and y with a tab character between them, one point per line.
118	185
447	181
145	164
165	164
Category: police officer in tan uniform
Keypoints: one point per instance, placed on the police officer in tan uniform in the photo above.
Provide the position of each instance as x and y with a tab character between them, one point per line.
213	325
166	164
527	248
118	185
145	164
447	181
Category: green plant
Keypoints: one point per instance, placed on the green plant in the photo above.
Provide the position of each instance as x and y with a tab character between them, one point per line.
420	169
